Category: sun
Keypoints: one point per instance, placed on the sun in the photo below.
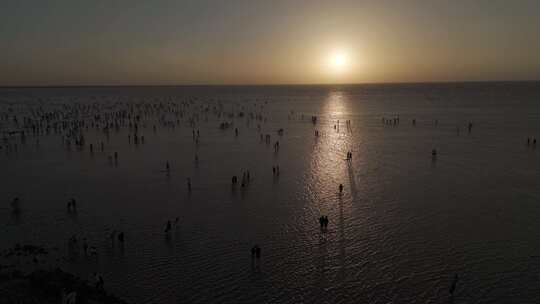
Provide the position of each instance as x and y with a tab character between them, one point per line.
338	61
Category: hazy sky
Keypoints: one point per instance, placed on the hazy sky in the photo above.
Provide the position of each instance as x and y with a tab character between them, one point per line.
254	42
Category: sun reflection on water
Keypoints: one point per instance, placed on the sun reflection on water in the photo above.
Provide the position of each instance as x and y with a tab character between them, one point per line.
329	168
329	165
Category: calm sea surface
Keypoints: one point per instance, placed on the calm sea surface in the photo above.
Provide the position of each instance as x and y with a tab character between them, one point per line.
404	225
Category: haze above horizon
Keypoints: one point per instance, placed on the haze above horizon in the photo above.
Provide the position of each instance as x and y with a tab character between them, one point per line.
77	43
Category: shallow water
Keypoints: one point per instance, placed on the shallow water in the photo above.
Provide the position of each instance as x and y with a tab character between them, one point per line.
405	224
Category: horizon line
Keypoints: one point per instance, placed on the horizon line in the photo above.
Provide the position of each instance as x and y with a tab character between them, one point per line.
262	84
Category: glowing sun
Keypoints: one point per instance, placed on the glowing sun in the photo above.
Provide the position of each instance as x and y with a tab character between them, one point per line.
338	61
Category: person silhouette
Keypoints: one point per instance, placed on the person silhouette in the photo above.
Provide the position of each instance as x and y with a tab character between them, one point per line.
454	283
99	281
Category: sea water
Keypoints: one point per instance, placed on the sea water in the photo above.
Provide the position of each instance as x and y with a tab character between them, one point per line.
405	224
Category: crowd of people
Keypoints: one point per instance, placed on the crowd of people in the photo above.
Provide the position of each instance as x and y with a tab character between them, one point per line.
76	125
